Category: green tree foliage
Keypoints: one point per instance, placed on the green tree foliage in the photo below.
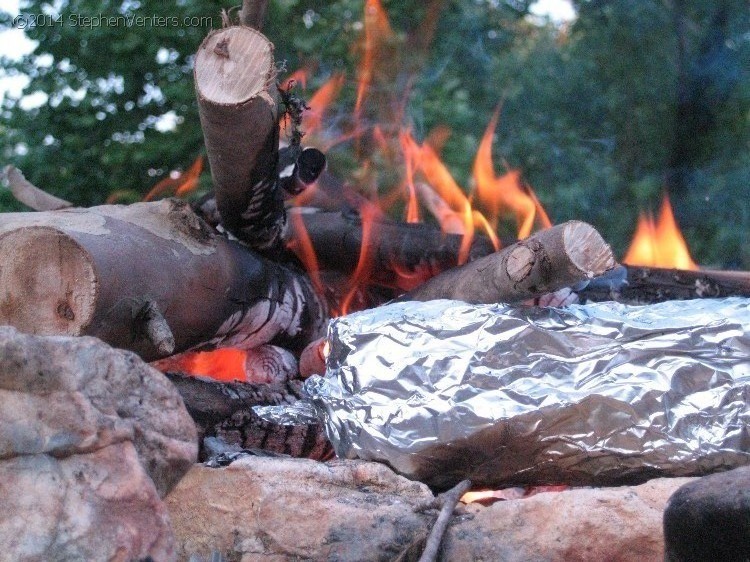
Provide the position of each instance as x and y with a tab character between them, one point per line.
635	97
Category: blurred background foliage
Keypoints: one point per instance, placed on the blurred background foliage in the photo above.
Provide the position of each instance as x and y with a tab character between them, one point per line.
631	99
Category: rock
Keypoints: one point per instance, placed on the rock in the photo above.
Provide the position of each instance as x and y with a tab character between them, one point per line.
709	519
295	509
90	437
290	509
97	506
615	524
63	396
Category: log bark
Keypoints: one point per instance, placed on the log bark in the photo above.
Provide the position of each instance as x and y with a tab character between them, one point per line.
253	13
645	285
92	272
548	260
238	107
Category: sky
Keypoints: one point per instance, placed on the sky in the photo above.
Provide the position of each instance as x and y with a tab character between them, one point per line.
13	43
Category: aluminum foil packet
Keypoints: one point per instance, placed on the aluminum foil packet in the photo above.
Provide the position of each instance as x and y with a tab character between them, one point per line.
596	394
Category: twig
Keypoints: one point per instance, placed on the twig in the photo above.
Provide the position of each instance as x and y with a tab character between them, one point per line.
156	328
29	194
450	499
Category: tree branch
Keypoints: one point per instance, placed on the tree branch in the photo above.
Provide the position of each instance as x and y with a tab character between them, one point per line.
30	195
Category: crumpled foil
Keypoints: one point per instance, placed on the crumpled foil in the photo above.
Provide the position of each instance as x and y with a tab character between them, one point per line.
597	394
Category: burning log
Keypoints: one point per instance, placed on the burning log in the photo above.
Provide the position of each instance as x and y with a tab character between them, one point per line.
100	271
238	106
548	260
403	255
637	285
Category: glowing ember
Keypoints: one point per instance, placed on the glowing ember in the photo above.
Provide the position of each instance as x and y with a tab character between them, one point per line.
659	244
487	497
225	364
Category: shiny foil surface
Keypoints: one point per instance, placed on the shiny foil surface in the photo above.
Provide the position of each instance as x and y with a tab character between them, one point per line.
598	394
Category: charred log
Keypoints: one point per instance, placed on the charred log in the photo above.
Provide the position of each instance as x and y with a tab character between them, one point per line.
94	271
224	410
548	260
298	175
238	107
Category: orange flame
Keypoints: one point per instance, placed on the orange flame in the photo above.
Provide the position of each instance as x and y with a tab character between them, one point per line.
181	183
411	152
506	192
481	221
447	202
659	244
368	214
408	279
377	32
440	178
468	237
451	222
299	76
323	97
302	246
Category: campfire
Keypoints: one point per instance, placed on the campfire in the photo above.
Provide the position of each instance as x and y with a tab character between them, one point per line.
275	287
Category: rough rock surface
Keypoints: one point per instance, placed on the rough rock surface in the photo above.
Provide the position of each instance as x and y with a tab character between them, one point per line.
90	437
261	508
622	524
294	509
97	506
709	519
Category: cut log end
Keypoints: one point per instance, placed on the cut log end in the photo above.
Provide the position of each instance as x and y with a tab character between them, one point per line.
44	269
586	249
234	65
520	262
